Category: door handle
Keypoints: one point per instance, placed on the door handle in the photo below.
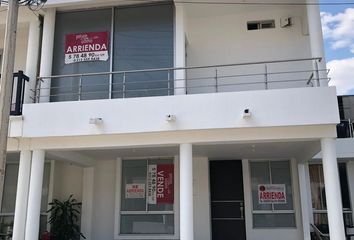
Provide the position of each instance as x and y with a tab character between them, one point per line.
241	210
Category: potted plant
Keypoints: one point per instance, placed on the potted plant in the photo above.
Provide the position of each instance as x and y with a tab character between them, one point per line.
64	219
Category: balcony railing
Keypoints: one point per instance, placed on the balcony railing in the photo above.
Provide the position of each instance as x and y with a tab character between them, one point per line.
345	129
18	91
189	80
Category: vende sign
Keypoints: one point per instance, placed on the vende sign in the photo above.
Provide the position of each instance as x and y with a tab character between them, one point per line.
160	184
272	193
86	47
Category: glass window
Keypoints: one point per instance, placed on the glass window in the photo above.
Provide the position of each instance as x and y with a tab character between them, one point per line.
9	198
92	87
272	194
143	39
256	25
318	195
147	199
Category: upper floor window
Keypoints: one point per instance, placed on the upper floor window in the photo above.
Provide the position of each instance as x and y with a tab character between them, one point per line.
139	37
264	24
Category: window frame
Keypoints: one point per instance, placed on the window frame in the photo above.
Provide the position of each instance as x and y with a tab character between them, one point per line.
43	214
118	196
273	211
260	24
324	211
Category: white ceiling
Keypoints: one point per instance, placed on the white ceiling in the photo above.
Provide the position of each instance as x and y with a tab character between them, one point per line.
215	151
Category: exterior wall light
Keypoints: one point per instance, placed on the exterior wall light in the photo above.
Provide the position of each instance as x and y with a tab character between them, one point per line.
170	118
246	113
96	121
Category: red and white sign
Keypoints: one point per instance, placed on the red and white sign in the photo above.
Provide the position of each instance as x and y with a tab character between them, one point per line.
272	193
86	47
135	190
160	184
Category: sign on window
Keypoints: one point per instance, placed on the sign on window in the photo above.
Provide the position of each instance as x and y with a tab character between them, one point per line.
272	193
160	184
135	190
86	47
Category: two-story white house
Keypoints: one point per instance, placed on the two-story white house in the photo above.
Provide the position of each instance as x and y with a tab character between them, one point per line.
173	120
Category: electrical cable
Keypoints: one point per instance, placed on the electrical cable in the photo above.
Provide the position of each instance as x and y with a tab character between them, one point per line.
249	3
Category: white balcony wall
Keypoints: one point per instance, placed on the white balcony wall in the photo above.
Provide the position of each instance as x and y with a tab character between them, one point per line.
218	35
273	108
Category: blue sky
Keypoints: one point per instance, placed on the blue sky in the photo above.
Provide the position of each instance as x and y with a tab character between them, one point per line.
338	29
339	53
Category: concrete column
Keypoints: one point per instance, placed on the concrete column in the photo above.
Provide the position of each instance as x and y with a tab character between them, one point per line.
333	192
32	59
180	50
316	38
35	195
47	53
87	202
306	209
186	192
22	195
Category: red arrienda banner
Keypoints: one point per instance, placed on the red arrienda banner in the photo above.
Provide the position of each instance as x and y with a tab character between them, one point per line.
85	47
272	193
161	184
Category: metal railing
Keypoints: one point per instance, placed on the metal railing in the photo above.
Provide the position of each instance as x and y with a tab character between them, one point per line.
345	129
188	80
18	91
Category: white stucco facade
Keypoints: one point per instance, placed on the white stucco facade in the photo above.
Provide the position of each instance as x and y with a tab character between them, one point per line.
238	95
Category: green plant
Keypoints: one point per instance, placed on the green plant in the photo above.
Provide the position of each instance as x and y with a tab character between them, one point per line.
64	219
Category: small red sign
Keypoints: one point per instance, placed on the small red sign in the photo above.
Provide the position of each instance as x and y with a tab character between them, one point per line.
84	47
272	193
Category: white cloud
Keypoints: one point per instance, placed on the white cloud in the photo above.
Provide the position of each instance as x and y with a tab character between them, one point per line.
342	75
338	29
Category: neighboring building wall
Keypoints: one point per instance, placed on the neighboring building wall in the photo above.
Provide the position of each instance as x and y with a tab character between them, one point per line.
21	46
346	107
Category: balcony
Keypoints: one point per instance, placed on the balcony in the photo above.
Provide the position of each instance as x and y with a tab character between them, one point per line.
237	77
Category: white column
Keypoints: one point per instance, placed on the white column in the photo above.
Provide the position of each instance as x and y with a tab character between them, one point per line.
47	52
87	202
22	195
180	50
333	192
32	59
306	209
186	192
35	195
350	172
316	38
